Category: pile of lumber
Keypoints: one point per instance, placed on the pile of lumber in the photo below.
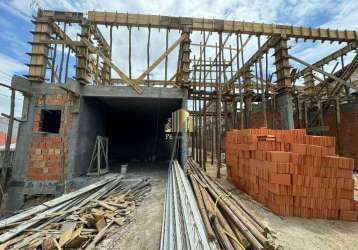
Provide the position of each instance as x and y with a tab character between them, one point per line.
79	219
292	173
226	218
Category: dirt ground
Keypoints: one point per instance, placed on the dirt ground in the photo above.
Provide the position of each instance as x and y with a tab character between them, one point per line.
143	233
299	233
289	232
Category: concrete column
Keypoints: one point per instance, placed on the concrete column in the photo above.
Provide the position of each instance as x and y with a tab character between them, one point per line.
284	83
184	134
248	109
285	108
22	154
247	97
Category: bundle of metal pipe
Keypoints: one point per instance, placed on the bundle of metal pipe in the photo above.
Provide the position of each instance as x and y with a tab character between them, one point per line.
79	219
225	217
182	226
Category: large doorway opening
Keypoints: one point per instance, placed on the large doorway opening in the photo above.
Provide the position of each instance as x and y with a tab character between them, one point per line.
135	128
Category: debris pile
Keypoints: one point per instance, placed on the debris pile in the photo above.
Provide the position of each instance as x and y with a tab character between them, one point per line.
227	220
292	173
182	226
79	219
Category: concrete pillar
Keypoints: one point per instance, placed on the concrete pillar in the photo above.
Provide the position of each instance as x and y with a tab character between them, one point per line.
248	109
247	96
285	108
284	83
22	153
184	134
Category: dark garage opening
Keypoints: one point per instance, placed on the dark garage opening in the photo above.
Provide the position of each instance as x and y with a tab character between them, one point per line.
135	128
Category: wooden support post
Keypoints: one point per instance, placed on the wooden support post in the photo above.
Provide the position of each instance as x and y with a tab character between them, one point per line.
67	63
204	105
218	110
238	46
62	57
166	57
53	63
263	96
298	112
212	138
130	51
266	74
200	125
306	114
195	118
110	52
6	161
148	52
320	110
338	126
274	110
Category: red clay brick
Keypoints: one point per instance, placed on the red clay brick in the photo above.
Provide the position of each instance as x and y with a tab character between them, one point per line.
278	156
283	179
348	215
299	148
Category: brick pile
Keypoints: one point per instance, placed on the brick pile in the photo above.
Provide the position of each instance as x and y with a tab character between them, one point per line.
292	173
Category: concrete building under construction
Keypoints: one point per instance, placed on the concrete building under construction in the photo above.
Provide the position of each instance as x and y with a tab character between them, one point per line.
228	75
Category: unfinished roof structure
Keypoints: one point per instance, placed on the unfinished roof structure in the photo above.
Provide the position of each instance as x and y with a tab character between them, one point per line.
227	74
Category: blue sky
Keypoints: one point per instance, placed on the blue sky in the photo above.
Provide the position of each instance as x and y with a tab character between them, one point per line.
15	23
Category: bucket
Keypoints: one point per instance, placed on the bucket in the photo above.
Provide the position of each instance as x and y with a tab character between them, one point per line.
124	169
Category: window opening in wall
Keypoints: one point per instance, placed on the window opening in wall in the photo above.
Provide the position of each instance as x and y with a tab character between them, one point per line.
50	121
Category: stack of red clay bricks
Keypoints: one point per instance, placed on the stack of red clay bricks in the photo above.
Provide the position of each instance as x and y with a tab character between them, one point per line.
292	173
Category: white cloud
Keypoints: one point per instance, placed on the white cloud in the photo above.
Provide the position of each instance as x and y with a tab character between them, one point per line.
9	67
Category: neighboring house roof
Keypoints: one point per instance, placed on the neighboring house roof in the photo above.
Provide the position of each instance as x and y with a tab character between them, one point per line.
3	139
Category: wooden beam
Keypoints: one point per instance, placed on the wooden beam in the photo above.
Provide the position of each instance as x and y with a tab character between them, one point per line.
218	25
331	57
160	59
125	78
345	83
9	117
255	57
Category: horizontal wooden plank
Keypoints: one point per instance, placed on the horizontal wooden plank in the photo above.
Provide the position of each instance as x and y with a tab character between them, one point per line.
200	24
